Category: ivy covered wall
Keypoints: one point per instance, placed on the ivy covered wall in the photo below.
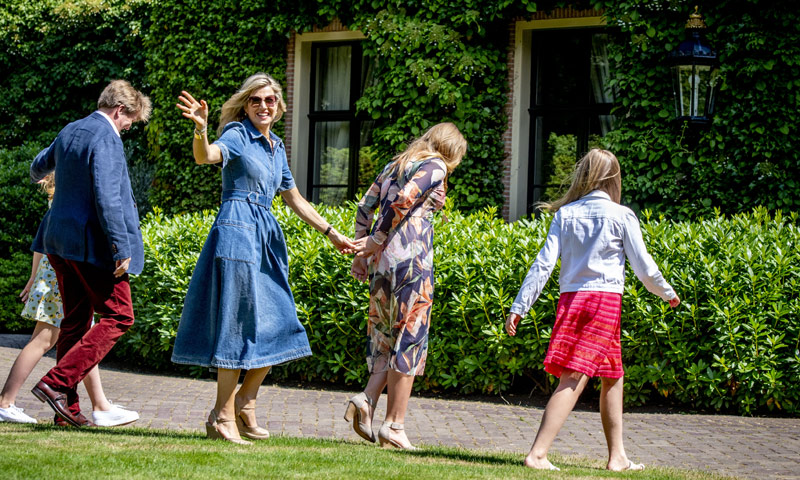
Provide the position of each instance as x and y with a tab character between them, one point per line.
749	155
439	60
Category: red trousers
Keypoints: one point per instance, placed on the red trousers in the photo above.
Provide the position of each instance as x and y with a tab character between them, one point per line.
86	290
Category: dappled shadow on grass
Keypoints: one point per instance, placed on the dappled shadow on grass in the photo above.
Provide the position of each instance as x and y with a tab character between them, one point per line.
118	431
463	455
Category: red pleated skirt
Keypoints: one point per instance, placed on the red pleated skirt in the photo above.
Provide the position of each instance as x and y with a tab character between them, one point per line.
586	335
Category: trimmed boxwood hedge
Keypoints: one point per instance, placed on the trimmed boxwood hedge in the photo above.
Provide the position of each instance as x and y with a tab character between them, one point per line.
731	346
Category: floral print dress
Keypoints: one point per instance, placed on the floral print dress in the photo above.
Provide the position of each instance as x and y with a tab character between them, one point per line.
44	299
401	274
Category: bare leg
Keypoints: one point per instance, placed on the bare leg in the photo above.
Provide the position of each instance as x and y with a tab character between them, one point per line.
95	390
399	392
375	385
225	406
44	337
246	396
556	412
611	415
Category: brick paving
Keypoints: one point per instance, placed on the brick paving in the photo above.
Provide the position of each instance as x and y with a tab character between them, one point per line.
745	447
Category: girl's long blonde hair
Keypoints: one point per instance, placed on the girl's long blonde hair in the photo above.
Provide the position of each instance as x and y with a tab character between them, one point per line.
233	109
442	140
48	185
597	170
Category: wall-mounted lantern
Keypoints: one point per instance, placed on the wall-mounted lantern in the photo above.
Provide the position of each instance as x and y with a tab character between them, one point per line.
694	74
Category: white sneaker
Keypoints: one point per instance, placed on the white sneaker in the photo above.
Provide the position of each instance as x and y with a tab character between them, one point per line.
15	414
114	417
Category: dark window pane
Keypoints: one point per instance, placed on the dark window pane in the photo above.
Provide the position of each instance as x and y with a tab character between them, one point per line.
369	165
560	67
332	153
330	195
332	89
559	146
600	72
341	155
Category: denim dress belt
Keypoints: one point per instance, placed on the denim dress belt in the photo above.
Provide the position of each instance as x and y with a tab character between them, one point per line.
254	198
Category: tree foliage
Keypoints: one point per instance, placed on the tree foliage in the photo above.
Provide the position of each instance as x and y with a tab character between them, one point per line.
749	154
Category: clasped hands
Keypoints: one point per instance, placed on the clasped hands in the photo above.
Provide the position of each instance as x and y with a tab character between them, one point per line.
366	248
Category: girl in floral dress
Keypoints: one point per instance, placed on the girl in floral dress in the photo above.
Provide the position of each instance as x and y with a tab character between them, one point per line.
397	258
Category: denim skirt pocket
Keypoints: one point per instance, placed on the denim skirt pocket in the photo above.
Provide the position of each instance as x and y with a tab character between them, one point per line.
235	240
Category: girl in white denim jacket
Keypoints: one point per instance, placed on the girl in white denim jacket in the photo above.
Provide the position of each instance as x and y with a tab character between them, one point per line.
592	234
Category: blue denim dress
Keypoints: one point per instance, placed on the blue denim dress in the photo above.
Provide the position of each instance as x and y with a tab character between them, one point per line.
239	312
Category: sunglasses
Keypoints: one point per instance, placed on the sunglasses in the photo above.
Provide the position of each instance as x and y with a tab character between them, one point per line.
268	101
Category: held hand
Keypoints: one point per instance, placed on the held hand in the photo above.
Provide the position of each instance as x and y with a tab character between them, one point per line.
193	110
359	269
367	247
122	267
675	301
23	296
511	323
343	244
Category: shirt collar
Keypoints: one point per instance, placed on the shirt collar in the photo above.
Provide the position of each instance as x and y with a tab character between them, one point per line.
110	121
597	194
254	133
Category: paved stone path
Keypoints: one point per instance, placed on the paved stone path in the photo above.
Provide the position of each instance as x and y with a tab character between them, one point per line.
755	448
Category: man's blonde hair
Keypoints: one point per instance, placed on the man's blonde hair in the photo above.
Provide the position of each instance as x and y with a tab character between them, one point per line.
120	92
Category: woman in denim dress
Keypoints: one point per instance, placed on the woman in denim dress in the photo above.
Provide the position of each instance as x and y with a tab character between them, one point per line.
239	312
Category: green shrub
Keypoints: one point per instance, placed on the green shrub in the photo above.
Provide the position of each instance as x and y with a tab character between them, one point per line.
24	204
731	346
57	56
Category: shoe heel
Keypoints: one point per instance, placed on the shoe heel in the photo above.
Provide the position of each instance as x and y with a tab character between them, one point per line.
385	443
39	394
350	412
211	432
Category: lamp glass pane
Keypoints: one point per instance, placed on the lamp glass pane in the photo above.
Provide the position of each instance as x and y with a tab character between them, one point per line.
703	84
678	90
688	93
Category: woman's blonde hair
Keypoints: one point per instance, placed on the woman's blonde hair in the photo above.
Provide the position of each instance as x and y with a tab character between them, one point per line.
233	109
442	140
48	185
597	170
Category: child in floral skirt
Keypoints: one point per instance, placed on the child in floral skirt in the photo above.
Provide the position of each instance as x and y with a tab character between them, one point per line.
592	234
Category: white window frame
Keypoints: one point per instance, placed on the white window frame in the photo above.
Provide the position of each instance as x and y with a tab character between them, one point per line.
301	98
521	95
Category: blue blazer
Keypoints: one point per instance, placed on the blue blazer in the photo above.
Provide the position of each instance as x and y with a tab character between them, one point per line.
93	217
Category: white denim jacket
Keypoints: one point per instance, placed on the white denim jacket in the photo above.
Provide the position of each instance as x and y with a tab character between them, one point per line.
592	235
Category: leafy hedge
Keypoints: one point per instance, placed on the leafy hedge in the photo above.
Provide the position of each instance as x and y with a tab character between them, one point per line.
731	346
24	205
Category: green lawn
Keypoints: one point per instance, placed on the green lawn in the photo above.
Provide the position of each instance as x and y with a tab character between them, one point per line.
51	453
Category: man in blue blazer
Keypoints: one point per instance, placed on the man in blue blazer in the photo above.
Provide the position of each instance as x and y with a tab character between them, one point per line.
92	239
